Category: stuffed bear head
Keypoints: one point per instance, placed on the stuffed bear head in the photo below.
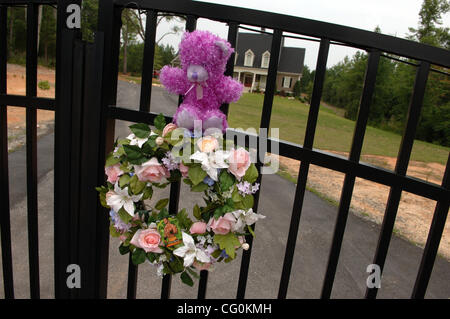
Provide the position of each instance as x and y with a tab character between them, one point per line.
203	55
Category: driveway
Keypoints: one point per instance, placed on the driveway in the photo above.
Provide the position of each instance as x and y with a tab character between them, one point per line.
276	201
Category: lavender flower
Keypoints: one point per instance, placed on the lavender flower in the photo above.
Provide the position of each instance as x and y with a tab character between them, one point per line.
170	162
119	224
245	188
208	180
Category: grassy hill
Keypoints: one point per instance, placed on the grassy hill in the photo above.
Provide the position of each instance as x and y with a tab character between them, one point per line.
333	132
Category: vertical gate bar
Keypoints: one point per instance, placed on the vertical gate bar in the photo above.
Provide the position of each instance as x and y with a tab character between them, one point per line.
63	228
147	61
202	284
191	25
31	149
75	149
109	24
400	168
263	133
433	240
304	167
232	38
349	182
5	223
132	279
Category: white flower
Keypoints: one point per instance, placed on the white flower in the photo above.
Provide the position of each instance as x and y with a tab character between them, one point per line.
159	270
136	140
190	252
211	161
119	198
245	218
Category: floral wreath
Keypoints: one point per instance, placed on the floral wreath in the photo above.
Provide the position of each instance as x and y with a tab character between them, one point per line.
178	243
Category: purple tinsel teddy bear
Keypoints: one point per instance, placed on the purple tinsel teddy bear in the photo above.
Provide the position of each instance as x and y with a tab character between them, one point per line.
201	80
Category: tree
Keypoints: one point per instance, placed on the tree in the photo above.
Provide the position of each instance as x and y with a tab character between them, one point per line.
430	19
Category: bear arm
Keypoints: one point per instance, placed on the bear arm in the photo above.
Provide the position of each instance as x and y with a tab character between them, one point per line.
229	90
174	80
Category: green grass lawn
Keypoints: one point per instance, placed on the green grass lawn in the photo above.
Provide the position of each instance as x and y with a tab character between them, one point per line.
333	132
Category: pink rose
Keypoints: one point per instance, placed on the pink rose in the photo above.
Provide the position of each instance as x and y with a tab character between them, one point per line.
183	170
201	266
151	171
223	225
198	228
207	144
113	172
239	162
168	128
148	240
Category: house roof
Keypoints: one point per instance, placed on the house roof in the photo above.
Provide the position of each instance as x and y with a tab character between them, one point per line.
291	59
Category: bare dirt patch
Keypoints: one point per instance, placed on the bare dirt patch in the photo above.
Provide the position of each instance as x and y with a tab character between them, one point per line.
16	83
369	199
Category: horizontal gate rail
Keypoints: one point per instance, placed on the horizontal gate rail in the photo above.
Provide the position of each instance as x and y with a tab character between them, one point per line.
40	103
352	36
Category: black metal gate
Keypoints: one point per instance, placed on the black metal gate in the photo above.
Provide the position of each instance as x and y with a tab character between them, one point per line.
85	113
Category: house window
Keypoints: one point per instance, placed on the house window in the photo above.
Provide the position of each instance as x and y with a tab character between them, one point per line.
287	82
265	59
248	61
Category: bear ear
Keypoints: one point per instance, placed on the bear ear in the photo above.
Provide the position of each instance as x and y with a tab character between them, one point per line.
223	47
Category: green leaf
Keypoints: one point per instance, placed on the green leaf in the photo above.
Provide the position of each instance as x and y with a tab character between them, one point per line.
102	197
193	273
124	216
160	122
186	279
124	180
134	154
251	174
113	231
138	256
218	212
111	160
176	265
247	201
148	193
163	214
162	203
123	250
201	187
228	242
141	130
184	220
196	174
197	212
235	196
151	257
152	141
251	230
136	185
226	180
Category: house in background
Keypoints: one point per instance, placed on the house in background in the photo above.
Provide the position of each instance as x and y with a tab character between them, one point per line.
252	62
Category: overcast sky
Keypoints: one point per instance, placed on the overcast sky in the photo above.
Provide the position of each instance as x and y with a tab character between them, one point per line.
392	16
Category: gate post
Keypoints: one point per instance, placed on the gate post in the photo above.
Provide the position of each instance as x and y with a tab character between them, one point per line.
65	225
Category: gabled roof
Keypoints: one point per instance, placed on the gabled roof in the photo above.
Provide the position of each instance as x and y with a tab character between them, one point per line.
291	59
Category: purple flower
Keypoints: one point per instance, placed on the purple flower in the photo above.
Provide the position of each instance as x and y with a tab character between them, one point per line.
170	162
208	180
119	224
245	188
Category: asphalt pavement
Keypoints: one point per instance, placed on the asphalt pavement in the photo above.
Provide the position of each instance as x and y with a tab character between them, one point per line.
276	202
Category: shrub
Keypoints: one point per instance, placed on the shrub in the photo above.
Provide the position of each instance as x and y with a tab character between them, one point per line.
44	85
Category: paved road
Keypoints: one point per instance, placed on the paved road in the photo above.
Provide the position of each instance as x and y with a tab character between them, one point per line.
313	241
